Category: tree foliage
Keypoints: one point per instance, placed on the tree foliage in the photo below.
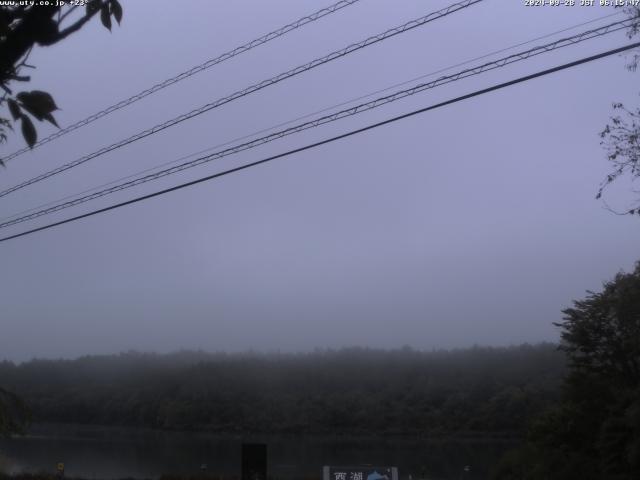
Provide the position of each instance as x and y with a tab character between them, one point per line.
621	136
601	334
14	414
621	139
594	432
24	26
475	392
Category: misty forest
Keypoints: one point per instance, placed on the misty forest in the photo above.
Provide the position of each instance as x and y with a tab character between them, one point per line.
412	283
476	391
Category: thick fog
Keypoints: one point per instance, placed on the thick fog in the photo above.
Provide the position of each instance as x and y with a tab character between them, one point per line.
475	223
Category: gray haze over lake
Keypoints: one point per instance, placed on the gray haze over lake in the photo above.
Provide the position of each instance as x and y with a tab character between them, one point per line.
475	223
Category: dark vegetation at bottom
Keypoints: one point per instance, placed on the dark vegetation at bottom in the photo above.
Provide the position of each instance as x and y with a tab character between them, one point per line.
472	391
50	476
47	476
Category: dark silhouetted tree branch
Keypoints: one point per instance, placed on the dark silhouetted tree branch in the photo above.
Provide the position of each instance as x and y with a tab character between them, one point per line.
21	29
621	136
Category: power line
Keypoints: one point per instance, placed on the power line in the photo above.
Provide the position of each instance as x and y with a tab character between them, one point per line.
333	139
616	26
516	57
189	73
258	86
308	115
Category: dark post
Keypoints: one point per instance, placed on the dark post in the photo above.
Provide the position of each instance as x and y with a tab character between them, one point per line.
254	461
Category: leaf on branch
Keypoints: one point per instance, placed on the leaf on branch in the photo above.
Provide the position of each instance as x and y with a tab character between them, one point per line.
14	108
38	100
116	10
29	131
49	118
105	16
39	104
92	7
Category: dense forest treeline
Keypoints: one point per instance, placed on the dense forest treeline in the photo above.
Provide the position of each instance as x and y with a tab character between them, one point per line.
355	390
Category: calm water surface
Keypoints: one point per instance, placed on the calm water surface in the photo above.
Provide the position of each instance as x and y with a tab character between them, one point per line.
110	452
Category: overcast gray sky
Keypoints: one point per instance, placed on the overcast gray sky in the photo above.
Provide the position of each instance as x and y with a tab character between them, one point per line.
471	224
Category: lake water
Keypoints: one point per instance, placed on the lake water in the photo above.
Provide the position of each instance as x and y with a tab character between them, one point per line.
110	452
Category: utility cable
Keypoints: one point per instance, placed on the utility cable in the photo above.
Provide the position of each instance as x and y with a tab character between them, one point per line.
333	139
303	117
258	86
188	73
589	34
